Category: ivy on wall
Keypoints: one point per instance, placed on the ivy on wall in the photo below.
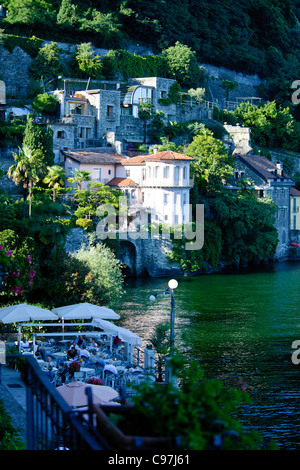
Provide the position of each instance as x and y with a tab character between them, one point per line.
29	45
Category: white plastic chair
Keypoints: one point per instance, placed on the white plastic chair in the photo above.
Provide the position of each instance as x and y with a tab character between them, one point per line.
78	376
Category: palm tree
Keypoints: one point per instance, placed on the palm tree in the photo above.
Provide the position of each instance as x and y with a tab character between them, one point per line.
55	178
28	170
79	177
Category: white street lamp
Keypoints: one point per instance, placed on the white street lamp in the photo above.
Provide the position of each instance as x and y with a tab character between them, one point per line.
172	284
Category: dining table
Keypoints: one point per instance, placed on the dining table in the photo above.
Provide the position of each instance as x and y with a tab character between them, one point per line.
87	371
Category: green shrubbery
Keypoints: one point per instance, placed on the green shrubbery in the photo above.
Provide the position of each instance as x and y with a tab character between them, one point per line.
9	438
202	413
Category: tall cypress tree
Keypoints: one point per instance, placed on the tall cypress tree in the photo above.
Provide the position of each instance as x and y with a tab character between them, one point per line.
37	137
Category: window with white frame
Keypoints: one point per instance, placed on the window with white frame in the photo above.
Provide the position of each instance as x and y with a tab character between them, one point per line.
96	174
166	172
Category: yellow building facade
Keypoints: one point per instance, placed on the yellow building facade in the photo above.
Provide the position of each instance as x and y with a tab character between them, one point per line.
295	209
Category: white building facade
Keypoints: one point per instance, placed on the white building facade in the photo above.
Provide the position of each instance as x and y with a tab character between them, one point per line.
157	186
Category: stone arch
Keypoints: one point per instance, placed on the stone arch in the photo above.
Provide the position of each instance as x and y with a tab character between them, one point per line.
127	256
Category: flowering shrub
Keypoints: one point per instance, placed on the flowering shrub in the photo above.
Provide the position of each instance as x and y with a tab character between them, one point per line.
74	367
95	381
4	258
20	272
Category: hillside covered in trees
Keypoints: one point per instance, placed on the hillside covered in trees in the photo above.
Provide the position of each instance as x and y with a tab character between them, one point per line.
256	36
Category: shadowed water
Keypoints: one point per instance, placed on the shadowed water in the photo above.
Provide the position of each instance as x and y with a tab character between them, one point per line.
240	327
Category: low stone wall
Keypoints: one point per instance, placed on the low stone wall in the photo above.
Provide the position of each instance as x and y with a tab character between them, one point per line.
142	256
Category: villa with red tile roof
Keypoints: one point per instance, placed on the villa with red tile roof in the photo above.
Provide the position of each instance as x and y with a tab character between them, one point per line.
156	185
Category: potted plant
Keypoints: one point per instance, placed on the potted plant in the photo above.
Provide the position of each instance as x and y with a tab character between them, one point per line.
95	381
74	367
161	344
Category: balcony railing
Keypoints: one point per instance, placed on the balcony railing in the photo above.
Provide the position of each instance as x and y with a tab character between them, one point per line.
51	422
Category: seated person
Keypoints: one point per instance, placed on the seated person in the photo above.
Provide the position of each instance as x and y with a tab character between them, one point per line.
116	341
84	353
80	342
94	345
39	353
110	368
50	363
72	354
62	372
50	373
96	360
24	343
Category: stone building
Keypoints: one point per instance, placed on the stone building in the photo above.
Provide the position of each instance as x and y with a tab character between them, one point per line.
270	181
101	117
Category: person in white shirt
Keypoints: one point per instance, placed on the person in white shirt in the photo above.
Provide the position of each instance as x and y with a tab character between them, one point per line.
24	343
84	352
110	368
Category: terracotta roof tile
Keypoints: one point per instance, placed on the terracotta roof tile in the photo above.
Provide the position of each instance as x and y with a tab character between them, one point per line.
167	155
122	182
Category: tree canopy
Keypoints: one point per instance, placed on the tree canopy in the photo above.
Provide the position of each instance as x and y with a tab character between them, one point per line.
218	32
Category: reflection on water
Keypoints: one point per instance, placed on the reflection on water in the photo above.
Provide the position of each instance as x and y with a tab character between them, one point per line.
240	327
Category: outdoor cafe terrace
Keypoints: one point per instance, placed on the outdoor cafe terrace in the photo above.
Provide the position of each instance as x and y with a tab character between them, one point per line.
101	353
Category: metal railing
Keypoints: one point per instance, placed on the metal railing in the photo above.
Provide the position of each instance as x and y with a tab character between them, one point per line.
51	423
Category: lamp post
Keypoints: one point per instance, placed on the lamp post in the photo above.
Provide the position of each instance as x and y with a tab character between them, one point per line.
172	285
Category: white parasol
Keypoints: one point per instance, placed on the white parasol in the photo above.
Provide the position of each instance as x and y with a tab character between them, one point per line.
74	393
124	334
85	311
24	313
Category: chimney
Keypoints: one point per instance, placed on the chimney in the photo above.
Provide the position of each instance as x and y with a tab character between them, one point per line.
279	168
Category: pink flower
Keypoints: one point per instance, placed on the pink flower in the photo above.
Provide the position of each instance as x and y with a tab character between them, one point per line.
29	259
9	253
32	274
1	247
17	290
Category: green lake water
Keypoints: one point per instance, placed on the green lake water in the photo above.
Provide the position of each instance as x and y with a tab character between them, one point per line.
240	327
